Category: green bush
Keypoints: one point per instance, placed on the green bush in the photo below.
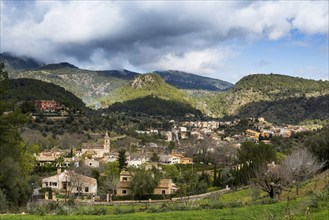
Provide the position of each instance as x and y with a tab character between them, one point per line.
91	210
216	205
3	202
212	189
36	209
154	209
234	204
122	198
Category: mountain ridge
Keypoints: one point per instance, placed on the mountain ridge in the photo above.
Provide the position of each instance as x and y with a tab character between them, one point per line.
254	95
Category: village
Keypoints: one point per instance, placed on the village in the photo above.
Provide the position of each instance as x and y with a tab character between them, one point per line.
187	143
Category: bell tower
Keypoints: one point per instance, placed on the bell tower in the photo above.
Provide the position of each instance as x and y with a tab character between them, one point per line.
107	146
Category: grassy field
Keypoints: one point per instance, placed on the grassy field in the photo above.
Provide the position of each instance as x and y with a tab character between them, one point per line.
273	211
311	203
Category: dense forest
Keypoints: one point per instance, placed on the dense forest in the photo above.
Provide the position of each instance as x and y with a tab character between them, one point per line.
153	105
29	90
145	85
16	157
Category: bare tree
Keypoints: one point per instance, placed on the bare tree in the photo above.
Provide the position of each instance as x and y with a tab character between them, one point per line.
301	165
225	153
108	185
76	181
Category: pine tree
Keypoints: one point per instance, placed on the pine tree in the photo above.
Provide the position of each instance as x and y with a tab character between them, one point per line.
122	159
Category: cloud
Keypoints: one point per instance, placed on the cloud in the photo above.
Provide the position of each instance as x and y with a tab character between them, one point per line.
203	62
192	36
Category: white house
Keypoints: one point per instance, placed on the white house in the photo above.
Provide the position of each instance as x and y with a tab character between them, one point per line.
136	162
169	159
71	182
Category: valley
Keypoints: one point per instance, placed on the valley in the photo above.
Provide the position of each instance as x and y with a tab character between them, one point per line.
122	136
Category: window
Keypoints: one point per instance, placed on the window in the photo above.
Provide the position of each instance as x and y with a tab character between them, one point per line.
124	191
86	189
125	179
53	183
163	192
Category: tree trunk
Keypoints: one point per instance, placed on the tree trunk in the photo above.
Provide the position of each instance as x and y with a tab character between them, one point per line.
271	193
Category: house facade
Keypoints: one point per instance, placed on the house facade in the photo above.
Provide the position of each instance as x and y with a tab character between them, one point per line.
46	105
169	159
165	186
48	158
71	182
123	187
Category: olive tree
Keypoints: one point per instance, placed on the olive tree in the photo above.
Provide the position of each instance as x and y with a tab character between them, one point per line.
142	183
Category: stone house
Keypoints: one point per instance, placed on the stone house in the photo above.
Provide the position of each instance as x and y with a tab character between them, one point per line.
165	186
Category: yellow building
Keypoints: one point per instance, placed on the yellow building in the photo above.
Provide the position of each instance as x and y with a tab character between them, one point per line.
165	186
251	134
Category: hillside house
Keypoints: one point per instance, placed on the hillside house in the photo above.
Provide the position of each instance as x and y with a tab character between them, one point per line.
48	157
68	162
111	157
123	186
183	160
169	159
252	135
136	162
165	186
169	136
46	105
70	182
182	132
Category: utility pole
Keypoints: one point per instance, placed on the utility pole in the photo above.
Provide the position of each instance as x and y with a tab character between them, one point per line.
32	184
66	188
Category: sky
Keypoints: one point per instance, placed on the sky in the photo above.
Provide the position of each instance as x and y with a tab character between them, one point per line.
219	39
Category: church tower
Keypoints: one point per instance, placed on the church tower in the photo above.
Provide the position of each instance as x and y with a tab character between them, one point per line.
107	147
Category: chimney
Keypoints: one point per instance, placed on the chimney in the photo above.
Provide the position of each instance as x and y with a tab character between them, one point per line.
59	170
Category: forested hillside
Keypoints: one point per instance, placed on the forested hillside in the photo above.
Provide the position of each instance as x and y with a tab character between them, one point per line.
85	84
146	85
278	98
153	105
21	90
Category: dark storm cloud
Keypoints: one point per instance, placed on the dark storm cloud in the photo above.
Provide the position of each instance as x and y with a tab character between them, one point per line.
194	36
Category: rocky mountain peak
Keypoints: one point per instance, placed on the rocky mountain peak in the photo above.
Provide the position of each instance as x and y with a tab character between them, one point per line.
145	80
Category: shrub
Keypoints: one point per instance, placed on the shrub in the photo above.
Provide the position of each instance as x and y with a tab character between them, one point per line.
234	204
212	189
91	210
154	209
216	205
64	210
118	210
36	209
3	202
